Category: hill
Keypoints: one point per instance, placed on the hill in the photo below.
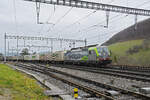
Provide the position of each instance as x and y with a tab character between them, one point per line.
130	33
133	52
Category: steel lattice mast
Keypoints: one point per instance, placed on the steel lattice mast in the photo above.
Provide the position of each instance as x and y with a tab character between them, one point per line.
42	38
96	6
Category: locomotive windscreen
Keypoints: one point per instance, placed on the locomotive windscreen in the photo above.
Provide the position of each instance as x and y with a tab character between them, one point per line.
103	51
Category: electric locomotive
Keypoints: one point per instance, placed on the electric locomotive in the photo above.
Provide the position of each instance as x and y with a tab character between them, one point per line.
98	55
95	55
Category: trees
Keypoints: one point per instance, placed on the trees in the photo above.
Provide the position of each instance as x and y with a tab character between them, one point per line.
1	56
34	53
25	51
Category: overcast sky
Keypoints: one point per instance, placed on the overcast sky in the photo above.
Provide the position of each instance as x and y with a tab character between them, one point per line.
18	17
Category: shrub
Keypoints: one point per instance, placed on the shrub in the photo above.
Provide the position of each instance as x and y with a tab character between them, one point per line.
134	49
146	44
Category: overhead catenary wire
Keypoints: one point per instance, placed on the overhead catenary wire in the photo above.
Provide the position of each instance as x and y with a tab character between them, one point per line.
77	21
109	33
111	26
80	30
49	18
106	34
85	17
99	24
88	29
15	15
61	18
143	3
96	26
38	6
52	14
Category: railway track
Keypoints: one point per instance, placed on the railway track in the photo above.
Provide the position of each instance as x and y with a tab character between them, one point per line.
106	86
129	67
125	72
139	76
93	92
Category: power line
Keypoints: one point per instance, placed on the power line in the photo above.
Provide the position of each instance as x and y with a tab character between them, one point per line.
107	35
38	6
85	17
61	18
89	28
96	26
111	32
41	38
31	39
15	15
51	15
49	18
114	17
111	27
144	3
99	24
78	21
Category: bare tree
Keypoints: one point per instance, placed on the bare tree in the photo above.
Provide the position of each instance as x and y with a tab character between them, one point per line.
25	51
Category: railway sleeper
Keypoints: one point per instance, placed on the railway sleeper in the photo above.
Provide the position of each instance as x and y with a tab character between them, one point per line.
102	85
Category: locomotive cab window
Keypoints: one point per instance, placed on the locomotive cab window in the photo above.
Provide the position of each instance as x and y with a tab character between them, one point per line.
90	52
93	52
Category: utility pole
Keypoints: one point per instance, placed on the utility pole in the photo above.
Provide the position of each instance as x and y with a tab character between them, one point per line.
5	47
73	44
38	11
107	19
85	42
69	45
12	52
17	48
61	40
60	44
8	49
24	42
51	46
135	27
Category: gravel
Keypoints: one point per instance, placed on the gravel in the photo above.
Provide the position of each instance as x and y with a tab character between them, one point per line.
119	97
107	79
65	87
112	80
